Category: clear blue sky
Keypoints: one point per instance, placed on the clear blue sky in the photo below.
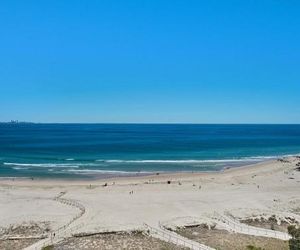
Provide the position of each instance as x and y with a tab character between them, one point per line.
150	61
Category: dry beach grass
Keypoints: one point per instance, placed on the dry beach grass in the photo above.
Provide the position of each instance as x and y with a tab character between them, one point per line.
222	239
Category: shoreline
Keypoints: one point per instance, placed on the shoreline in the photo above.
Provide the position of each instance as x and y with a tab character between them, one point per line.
138	177
87	175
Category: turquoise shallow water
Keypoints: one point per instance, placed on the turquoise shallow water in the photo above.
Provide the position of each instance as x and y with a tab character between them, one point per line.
88	150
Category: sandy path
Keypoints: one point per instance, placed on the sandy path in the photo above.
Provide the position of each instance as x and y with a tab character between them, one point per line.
65	230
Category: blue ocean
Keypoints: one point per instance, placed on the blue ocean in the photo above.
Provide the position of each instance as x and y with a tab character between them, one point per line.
95	150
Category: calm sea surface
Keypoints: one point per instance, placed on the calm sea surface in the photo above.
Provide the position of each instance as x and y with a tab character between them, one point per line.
88	150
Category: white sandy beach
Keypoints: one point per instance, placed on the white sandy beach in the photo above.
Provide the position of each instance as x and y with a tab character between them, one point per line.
265	189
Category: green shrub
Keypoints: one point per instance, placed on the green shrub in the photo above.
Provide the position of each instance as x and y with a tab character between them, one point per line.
294	242
50	247
250	247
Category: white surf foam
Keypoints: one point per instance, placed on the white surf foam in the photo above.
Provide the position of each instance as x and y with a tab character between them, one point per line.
158	161
104	171
48	165
19	168
182	161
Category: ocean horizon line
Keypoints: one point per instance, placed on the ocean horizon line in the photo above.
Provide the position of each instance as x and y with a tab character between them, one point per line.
139	123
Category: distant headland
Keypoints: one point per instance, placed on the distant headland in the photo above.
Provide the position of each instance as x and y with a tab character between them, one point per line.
16	122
